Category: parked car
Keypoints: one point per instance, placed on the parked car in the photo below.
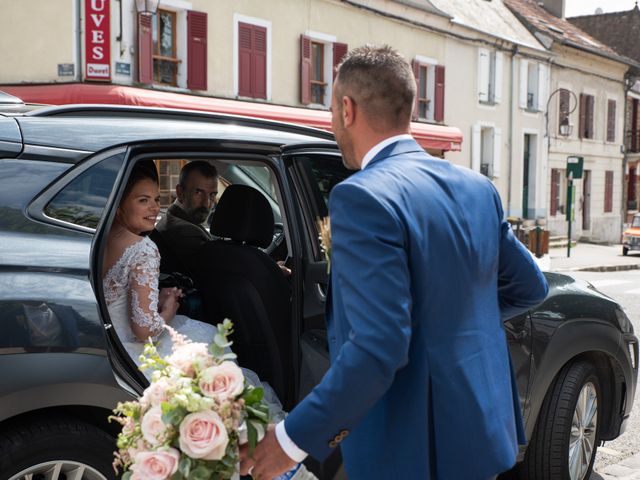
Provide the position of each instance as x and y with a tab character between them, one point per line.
631	236
63	367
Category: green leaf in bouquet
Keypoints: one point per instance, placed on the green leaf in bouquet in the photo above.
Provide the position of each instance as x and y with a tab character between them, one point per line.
185	465
252	395
177	476
201	472
126	475
252	436
258	413
172	415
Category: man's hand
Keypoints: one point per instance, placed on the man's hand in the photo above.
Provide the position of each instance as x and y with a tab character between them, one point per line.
268	459
286	271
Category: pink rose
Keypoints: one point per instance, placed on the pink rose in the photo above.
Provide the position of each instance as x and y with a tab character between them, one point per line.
156	393
158	465
186	357
152	425
203	435
222	382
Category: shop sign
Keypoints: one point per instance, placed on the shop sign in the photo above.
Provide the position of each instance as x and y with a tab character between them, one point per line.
97	40
66	70
123	68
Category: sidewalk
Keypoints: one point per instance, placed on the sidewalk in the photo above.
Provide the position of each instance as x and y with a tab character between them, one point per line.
627	469
589	257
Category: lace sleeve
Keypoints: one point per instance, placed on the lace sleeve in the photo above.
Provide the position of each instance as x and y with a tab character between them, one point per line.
143	293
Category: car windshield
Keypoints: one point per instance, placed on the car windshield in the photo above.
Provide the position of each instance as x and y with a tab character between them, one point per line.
636	222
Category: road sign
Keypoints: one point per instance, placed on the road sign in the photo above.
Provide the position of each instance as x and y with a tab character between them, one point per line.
574	167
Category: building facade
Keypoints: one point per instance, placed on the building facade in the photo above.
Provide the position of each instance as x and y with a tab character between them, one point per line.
585	119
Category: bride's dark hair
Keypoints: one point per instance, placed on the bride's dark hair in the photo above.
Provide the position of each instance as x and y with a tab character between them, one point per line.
141	170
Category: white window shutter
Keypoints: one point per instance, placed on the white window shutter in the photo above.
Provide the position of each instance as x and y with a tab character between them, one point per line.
497	97
543	86
497	151
483	74
524	78
476	148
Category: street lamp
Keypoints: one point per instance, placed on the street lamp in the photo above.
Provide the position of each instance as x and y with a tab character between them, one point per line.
147	7
565	127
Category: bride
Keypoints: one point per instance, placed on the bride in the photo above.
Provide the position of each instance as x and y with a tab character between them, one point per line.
138	310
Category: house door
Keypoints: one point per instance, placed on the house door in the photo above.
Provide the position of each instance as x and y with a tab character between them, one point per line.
525	176
586	200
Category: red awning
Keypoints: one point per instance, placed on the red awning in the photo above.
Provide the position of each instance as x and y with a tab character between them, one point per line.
433	137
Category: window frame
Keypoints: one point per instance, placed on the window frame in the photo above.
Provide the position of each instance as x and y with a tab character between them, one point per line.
611	127
155	54
321	81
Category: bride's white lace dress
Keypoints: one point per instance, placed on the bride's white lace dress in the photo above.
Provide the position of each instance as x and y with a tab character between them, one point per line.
131	292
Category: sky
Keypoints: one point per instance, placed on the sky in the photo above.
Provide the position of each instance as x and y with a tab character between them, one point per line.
588	7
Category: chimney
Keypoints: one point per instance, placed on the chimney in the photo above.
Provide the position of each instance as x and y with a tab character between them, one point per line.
555	7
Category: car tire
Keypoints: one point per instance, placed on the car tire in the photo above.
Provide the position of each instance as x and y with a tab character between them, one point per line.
625	250
67	445
567	422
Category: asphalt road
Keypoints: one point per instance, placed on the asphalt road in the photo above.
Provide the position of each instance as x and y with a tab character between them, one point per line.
625	288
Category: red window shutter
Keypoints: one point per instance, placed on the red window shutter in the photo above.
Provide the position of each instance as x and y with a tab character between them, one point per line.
339	51
589	119
259	66
196	50
305	70
439	94
245	54
582	122
145	50
416	104
611	121
555	173
608	191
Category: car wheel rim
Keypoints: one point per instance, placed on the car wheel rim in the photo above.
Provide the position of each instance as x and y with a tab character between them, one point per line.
583	432
59	470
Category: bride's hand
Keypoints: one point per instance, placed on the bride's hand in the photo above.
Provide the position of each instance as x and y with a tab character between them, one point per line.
169	302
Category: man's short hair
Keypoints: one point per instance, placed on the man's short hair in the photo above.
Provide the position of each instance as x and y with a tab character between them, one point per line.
203	168
381	83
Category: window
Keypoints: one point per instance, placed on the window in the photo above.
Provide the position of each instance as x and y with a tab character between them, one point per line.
611	121
486	147
169	175
533	85
554	204
608	191
162	56
489	76
320	54
165	59
252	60
318	84
429	103
82	201
587	103
563	108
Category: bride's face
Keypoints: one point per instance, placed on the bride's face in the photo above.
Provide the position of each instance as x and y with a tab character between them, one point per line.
140	208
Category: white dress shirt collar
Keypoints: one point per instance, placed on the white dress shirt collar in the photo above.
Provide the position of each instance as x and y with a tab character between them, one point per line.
378	147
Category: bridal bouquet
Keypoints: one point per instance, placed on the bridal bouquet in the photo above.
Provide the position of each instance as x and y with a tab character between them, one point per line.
324	227
190	421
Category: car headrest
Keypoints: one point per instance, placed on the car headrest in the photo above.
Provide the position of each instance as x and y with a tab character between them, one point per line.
243	214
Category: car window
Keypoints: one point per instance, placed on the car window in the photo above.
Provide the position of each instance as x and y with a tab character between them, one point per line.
327	172
83	200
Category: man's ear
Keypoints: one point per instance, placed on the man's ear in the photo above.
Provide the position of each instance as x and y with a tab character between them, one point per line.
179	192
348	111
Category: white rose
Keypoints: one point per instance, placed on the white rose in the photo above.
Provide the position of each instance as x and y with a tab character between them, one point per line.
203	435
158	465
156	393
152	425
186	357
222	382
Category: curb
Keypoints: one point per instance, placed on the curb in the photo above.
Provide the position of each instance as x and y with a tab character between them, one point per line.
600	268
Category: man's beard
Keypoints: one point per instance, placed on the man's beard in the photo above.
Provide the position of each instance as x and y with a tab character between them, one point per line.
199	215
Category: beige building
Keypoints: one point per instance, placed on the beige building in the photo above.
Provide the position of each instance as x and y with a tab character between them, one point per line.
585	119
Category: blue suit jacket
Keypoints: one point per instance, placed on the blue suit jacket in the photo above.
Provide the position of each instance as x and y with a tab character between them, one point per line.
423	271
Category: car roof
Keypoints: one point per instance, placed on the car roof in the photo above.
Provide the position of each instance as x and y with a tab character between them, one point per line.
90	128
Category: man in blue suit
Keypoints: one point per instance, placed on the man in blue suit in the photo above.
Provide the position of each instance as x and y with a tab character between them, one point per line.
423	272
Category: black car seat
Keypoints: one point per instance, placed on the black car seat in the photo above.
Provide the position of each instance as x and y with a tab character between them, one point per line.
248	286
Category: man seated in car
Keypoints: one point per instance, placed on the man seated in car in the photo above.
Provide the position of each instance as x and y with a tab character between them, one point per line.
181	232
